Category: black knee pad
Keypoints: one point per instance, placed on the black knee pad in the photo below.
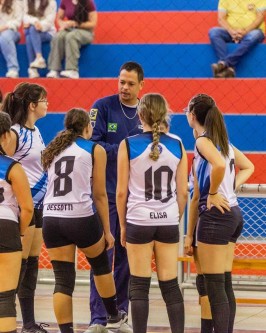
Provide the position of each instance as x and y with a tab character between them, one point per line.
7	304
138	288
215	284
28	283
201	286
171	292
65	276
100	264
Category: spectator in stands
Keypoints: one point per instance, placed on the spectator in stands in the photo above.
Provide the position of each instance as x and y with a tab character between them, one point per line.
16	209
151	199
114	118
78	225
25	105
77	21
241	22
10	20
39	25
214	206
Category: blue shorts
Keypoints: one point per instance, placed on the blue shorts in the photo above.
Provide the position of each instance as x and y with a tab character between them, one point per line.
9	236
220	229
82	231
139	234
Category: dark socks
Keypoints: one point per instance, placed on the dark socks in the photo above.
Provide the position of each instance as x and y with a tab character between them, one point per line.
27	311
66	328
231	299
110	304
206	326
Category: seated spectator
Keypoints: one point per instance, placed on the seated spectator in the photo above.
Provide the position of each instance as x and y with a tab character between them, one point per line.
77	20
241	22
10	21
39	25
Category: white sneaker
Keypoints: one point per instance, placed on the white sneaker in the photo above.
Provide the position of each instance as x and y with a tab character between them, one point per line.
38	63
116	322
52	74
70	74
33	73
125	328
96	328
12	73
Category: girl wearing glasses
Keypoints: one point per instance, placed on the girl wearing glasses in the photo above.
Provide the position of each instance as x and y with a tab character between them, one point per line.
214	206
25	105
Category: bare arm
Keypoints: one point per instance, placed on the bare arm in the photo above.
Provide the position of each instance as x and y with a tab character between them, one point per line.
181	182
21	189
99	193
222	20
91	23
260	15
245	166
122	188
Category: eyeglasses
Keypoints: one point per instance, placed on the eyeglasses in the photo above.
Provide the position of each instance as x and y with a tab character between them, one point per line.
43	101
186	111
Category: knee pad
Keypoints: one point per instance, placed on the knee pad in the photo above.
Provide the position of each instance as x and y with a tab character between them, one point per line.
7	304
215	284
100	264
171	292
139	288
200	284
65	276
28	283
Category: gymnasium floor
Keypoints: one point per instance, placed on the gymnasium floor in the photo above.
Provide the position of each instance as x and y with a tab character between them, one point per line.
249	318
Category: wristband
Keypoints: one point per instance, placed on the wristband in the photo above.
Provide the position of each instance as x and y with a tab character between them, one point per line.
213	193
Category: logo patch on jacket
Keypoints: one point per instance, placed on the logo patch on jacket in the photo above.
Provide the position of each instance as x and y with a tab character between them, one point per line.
112	127
93	114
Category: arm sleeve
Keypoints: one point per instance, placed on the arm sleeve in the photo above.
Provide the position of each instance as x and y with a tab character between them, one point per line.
28	19
49	16
15	22
222	6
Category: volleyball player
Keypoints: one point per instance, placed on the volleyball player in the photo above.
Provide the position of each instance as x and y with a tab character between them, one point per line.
215	203
16	209
151	198
25	105
76	185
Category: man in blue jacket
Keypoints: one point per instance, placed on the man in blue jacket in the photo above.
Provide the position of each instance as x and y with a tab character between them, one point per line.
114	118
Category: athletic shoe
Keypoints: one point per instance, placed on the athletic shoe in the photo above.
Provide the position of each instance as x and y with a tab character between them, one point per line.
38	63
12	73
116	322
70	74
52	74
35	329
228	72
96	328
218	68
125	328
33	73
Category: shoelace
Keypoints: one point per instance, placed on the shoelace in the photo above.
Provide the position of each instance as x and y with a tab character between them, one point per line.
42	325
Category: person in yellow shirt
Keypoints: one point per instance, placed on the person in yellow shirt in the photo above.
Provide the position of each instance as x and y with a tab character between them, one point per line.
241	22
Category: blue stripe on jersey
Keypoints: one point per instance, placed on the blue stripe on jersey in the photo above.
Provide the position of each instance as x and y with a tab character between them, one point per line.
85	144
39	186
172	144
202	175
24	141
6	163
138	144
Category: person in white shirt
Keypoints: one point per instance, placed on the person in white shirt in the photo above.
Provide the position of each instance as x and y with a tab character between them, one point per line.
39	24
10	21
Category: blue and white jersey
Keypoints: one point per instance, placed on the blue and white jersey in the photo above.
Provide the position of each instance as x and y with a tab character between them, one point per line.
152	184
203	170
9	209
28	152
69	185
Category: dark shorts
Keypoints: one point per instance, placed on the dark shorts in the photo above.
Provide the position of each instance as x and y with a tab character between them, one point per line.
9	236
37	218
139	234
217	228
82	231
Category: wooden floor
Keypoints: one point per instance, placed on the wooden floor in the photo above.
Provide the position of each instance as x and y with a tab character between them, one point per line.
249	317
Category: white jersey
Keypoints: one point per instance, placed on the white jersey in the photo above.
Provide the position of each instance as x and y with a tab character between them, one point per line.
152	184
8	204
28	152
69	182
203	170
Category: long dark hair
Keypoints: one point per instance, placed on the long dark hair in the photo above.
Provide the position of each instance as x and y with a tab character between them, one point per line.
16	103
5	123
81	11
37	12
210	117
7	6
75	122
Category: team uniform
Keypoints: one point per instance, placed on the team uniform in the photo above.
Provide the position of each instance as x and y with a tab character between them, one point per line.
152	209
215	227
68	205
9	210
112	122
28	152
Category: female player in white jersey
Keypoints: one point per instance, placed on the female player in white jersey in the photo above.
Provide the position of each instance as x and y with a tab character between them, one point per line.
25	105
76	184
151	198
214	202
16	209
